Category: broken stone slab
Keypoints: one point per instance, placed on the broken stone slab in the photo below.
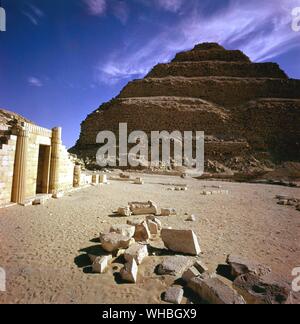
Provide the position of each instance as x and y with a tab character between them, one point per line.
125	230
113	241
168	212
239	266
140	208
136	251
214	291
130	271
153	227
124	211
268	289
174	295
174	265
182	241
100	264
142	232
155	220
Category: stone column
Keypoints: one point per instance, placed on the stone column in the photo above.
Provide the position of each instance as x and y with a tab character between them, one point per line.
20	167
77	176
55	159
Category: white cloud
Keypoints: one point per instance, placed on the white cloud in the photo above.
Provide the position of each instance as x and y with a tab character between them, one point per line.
262	30
121	11
35	82
170	5
33	13
96	7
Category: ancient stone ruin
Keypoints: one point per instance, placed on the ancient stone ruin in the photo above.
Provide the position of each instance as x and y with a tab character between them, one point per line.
248	111
34	163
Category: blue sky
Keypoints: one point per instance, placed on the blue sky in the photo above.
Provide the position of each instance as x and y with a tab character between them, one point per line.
60	59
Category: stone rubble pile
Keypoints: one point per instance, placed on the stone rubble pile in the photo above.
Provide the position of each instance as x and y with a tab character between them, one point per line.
250	282
284	200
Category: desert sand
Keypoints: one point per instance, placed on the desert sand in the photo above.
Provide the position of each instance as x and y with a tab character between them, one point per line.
43	248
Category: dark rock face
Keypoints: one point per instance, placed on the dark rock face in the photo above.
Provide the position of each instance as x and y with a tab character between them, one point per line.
250	112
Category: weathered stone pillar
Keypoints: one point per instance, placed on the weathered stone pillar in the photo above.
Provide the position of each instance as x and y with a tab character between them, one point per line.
20	167
55	159
77	176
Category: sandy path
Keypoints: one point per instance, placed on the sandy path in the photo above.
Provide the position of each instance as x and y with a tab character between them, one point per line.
42	247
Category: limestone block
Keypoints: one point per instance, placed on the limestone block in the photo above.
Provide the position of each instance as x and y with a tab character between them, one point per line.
130	271
113	241
141	208
100	264
174	295
215	291
174	265
153	227
124	211
142	232
182	241
136	251
190	273
155	220
125	230
168	212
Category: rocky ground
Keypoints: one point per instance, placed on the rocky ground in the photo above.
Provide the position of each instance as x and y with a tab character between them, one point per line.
44	248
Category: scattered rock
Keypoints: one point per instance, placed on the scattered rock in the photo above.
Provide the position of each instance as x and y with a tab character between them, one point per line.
215	291
182	241
113	241
174	295
214	192
263	290
138	181
100	264
168	212
124	211
136	251
190	273
240	266
130	271
125	230
142	232
174	265
153	227
155	220
140	208
58	195
191	218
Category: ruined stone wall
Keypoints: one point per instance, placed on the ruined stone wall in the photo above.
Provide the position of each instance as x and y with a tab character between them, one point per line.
7	159
66	170
35	153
